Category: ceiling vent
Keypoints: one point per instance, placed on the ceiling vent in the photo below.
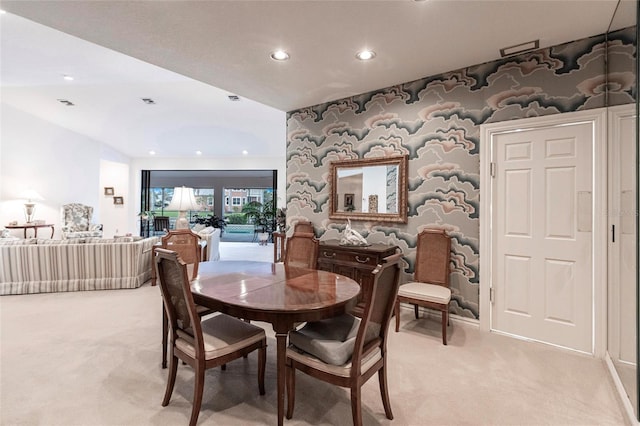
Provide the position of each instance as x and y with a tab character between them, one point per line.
519	48
65	102
234	98
148	101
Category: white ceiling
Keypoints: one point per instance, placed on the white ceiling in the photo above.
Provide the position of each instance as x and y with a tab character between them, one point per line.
217	48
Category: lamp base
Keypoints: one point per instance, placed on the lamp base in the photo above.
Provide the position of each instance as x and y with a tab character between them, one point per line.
182	222
29	211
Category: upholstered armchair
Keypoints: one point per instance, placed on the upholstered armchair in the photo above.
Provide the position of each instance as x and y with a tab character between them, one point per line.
76	222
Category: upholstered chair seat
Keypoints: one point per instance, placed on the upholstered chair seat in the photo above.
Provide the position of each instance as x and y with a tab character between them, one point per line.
427	292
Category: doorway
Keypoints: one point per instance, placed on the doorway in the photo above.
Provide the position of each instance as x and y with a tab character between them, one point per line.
542	268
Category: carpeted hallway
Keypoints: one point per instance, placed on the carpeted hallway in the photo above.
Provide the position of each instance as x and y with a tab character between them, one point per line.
93	358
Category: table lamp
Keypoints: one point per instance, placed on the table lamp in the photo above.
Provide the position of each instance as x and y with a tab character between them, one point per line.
30	206
183	200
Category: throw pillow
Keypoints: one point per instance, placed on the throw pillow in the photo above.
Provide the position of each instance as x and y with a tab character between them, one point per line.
331	340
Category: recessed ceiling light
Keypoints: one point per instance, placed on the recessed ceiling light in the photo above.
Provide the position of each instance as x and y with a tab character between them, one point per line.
245	152
234	98
148	101
65	102
279	55
198	152
365	55
67	77
152	152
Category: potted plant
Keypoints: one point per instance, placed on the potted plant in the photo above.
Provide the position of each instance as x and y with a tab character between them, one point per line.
145	214
262	215
281	218
211	220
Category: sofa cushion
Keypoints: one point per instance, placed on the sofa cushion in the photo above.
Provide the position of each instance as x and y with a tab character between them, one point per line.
12	242
44	241
198	227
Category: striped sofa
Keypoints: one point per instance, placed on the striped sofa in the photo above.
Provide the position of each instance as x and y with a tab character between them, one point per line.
46	266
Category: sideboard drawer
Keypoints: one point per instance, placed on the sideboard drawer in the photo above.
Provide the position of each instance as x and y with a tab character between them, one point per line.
333	255
353	262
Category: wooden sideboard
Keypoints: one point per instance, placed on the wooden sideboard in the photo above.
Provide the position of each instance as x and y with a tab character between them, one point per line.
354	262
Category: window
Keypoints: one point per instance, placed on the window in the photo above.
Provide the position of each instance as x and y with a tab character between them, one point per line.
236	201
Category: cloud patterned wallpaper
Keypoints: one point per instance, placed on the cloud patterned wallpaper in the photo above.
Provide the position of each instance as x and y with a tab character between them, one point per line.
436	122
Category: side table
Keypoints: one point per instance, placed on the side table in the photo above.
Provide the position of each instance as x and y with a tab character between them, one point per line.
32	226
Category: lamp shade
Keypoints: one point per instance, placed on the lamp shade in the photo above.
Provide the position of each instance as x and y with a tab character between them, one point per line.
183	200
31	195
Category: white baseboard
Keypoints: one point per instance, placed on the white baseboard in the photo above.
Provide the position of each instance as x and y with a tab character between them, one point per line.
628	408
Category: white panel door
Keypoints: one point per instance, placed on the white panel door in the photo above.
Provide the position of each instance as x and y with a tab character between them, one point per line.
542	223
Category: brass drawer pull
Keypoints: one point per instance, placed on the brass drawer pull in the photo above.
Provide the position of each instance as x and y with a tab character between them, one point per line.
328	254
365	260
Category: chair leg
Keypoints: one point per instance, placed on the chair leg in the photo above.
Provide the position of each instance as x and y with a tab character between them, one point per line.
165	332
415	311
262	362
384	390
396	312
171	380
197	394
445	319
356	406
290	378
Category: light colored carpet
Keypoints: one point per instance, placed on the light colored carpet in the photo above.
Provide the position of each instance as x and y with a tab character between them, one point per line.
93	358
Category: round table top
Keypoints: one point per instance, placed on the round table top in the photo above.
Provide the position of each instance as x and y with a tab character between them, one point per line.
273	288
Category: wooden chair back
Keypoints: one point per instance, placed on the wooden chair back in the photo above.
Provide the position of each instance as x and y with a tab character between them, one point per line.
433	256
302	251
161	224
178	300
187	244
303	226
378	308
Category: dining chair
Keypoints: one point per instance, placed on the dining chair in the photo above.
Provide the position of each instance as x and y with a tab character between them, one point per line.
161	225
302	251
187	244
430	287
202	344
303	226
346	350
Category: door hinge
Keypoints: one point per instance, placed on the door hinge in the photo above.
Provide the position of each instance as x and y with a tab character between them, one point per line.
492	169
491	294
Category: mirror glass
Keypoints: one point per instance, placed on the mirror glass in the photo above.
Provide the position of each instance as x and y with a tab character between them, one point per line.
369	189
623	281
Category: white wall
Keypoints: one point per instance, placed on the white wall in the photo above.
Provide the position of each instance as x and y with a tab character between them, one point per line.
114	217
60	165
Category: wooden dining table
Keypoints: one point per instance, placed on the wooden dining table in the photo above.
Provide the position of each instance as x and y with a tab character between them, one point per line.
274	293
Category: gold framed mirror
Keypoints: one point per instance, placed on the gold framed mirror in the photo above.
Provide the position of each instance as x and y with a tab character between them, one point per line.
372	189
